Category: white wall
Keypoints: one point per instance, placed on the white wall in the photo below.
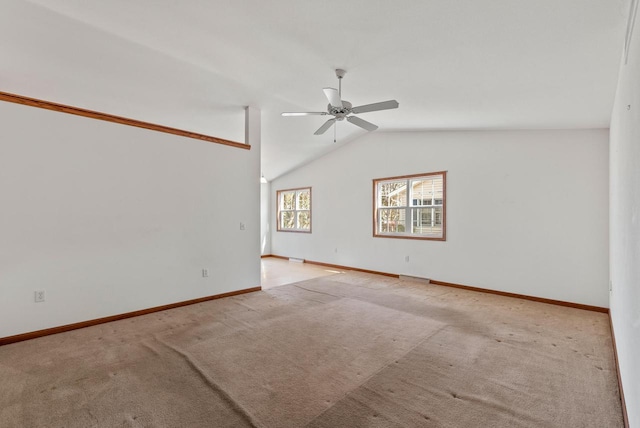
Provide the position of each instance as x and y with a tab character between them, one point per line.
109	219
625	227
526	212
265	217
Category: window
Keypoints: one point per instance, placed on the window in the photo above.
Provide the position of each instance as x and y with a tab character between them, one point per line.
411	206
294	210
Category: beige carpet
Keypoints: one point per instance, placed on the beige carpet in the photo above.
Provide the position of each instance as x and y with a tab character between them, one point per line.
348	350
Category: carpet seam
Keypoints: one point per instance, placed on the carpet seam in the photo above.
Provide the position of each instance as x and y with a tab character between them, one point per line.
319	292
239	409
376	372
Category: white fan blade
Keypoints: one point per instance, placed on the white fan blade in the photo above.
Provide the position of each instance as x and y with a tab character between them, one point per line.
333	96
308	113
324	127
362	123
385	105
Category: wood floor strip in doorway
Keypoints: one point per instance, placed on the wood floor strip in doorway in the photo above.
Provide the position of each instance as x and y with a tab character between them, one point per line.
329	265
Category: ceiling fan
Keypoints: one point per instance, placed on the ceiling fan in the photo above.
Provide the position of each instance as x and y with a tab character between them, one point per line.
340	109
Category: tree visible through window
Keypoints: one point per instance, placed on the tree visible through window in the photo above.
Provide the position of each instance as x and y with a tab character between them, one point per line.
410	206
294	210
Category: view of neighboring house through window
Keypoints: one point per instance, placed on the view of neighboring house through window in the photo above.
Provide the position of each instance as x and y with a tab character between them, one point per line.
294	210
410	206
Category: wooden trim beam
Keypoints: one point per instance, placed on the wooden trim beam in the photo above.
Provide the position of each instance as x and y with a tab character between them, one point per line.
48	105
61	329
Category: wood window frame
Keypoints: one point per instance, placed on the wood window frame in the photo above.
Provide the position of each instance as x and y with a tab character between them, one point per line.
407	207
279	228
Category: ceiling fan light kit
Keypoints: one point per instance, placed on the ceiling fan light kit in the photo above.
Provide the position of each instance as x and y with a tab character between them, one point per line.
341	109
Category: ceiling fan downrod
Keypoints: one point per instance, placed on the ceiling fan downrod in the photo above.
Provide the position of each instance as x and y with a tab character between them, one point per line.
340	74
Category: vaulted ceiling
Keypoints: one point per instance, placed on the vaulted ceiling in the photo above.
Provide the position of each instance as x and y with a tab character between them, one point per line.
194	64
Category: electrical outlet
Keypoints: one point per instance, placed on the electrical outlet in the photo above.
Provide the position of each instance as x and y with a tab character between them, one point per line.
39	296
406	259
241	226
205	273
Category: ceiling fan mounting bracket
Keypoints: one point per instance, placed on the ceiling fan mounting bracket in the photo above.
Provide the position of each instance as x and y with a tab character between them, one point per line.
340	73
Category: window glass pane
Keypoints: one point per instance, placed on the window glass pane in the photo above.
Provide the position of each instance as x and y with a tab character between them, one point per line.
393	194
426	221
288	201
420	198
427	191
392	220
294	210
304	220
304	200
288	220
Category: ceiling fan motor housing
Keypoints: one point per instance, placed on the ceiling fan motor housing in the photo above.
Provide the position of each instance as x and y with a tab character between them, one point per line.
340	113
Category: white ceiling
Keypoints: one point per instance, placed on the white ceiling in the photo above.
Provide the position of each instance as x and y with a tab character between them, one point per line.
194	64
